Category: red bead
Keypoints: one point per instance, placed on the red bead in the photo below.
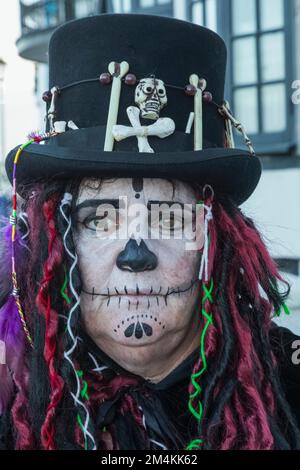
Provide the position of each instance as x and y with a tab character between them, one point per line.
105	78
47	96
207	97
190	90
130	79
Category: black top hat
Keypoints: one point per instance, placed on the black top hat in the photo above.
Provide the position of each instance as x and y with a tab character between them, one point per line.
122	90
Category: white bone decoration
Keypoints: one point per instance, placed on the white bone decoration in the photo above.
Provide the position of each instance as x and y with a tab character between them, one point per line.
60	126
51	111
200	85
117	71
72	125
150	96
162	128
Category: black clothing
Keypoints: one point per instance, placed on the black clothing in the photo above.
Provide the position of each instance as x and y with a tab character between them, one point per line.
165	404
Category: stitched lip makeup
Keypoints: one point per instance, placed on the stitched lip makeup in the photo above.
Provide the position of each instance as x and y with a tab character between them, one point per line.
140	293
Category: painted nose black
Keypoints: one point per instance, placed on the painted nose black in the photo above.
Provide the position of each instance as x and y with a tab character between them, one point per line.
136	258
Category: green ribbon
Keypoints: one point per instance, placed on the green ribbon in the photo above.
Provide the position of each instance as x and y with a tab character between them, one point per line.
82	428
285	309
85	396
63	288
196	443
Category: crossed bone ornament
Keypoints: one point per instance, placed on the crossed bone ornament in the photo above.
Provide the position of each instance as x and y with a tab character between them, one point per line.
162	128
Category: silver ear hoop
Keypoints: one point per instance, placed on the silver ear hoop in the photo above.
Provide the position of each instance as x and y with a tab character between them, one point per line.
208	187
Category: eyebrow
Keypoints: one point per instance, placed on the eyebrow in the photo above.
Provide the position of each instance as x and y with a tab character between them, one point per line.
169	203
96	202
116	203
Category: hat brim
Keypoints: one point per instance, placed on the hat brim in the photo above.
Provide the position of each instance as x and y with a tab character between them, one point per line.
231	172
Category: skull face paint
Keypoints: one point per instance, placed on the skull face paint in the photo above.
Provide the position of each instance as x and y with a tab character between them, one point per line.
139	295
151	97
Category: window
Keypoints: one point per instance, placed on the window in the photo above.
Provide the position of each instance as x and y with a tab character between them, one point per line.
84	8
203	12
258	35
159	7
288	265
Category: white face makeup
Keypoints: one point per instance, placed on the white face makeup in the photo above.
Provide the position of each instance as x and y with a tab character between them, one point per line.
139	295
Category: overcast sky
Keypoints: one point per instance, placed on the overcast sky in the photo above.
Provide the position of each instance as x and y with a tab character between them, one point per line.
20	110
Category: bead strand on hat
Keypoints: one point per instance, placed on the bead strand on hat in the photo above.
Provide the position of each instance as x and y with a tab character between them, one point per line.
129	79
150	96
191	89
195	88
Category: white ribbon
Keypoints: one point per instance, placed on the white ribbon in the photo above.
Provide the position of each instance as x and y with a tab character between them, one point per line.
204	259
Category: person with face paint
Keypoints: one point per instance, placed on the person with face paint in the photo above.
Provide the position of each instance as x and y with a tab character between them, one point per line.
136	298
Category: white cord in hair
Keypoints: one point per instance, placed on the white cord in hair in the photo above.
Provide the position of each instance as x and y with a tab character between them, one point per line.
66	201
97	368
159	444
24	216
204	258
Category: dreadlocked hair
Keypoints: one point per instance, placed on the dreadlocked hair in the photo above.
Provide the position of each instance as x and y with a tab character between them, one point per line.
56	400
243	402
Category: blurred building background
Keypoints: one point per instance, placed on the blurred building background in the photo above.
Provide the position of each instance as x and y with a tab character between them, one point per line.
263	39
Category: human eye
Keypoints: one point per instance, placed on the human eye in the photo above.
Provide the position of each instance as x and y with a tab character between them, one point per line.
94	222
171	222
100	223
166	222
